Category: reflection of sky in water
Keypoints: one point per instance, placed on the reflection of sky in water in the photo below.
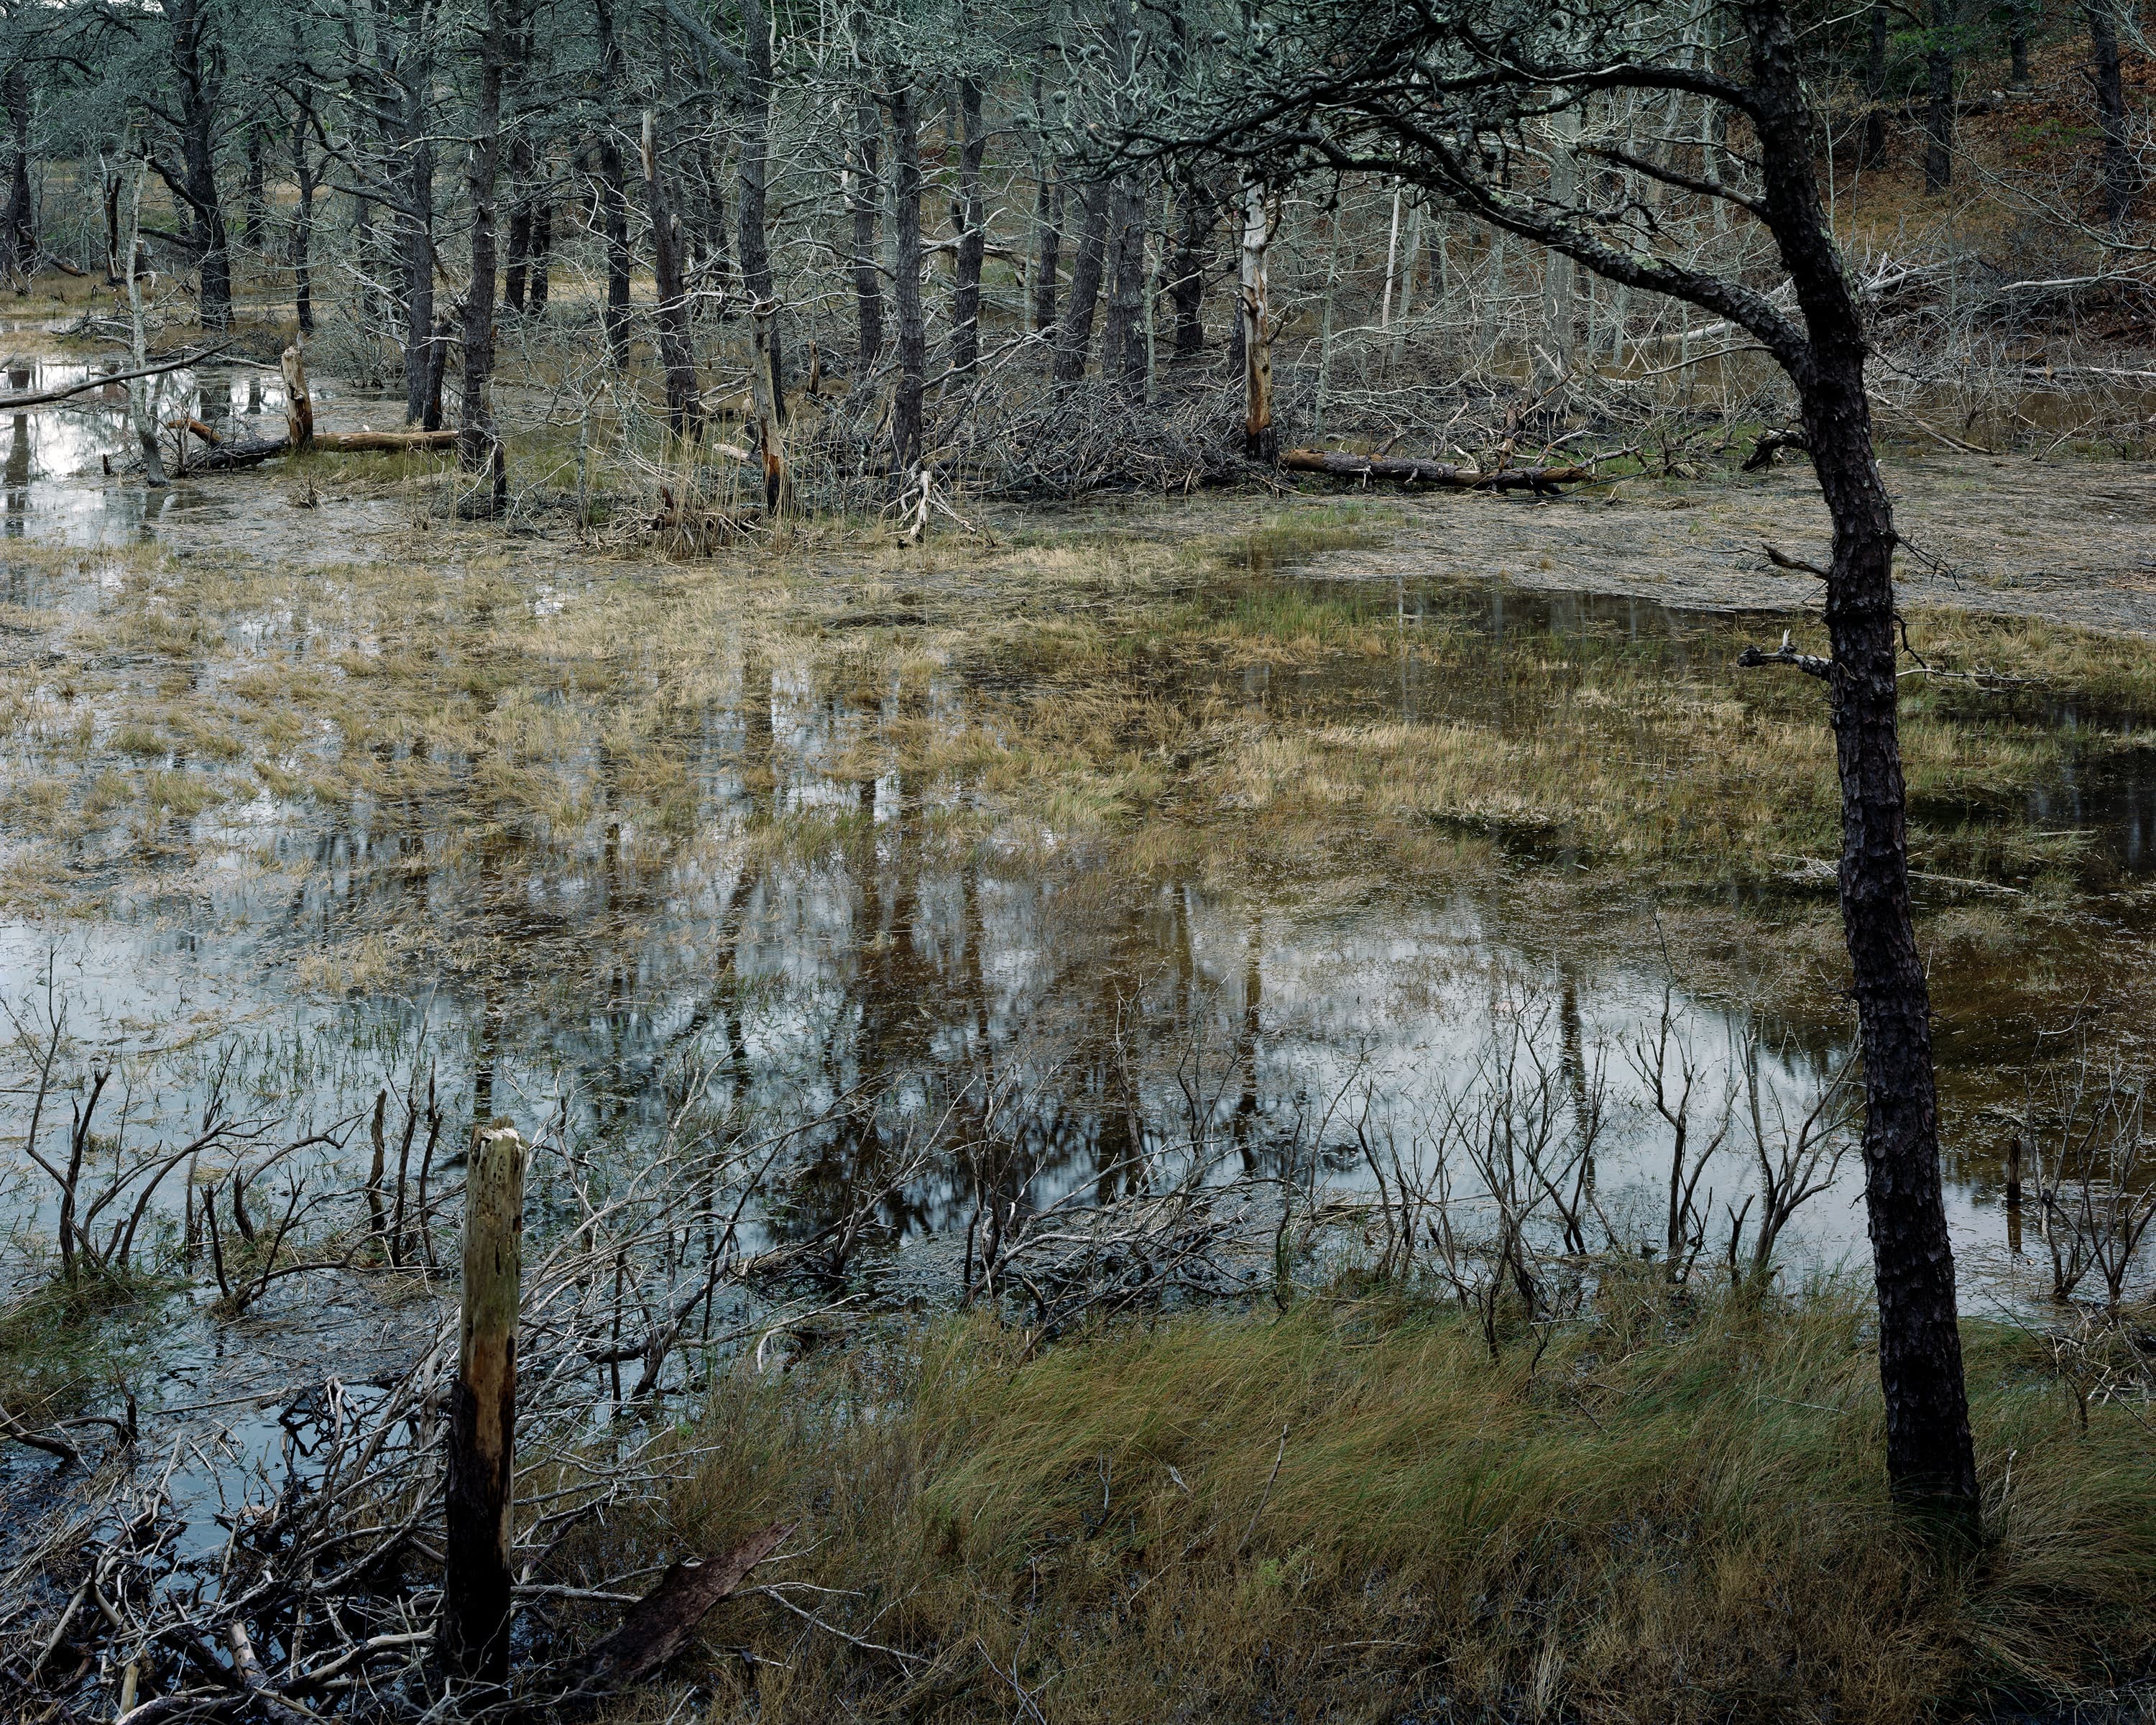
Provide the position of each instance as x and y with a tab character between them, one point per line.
54	465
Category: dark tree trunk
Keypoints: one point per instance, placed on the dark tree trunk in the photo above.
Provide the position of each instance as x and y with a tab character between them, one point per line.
613	193
196	60
1186	290
867	194
1939	98
1929	1457
303	221
755	170
1048	212
476	438
1930	1460
907	429
1122	344
519	228
684	409
966	217
18	225
415	224
2019	15
253	202
439	340
542	249
2120	176
1074	335
1873	150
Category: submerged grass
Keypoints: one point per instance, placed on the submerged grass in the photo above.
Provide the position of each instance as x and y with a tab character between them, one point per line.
1674	1512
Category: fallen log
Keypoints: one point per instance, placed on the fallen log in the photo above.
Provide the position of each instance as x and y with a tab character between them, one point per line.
355	443
1410	470
252	451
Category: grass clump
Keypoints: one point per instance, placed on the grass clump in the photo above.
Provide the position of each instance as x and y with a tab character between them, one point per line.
1673	1511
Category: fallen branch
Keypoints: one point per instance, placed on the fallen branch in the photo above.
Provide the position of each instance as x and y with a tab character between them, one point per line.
1771	443
39	398
1810	664
653	1630
1413	470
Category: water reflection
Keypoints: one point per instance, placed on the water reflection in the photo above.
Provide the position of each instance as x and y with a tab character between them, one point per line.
57	453
1055	1018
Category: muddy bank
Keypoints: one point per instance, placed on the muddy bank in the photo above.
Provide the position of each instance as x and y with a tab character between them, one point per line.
2068	542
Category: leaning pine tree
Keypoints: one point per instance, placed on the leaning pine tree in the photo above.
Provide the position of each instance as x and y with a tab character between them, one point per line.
1475	100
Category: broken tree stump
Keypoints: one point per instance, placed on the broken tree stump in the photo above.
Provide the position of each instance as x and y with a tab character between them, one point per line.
482	1459
299	405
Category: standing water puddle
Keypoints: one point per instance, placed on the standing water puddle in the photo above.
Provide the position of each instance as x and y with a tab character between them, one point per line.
758	906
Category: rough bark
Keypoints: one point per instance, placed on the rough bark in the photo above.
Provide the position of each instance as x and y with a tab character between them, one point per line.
677	353
196	62
1186	283
253	199
1261	441
518	256
475	444
1073	333
865	192
967	218
906	413
755	171
18	226
1930	1458
2019	15
613	193
415	225
478	1499
1048	218
301	247
1122	342
542	254
1412	471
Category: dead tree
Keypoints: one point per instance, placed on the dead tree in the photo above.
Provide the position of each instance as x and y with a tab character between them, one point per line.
1449	96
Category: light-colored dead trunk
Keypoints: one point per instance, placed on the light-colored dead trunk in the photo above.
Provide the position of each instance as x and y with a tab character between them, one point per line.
1261	441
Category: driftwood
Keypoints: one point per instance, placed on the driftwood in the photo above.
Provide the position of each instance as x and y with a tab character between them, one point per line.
654	1630
1409	471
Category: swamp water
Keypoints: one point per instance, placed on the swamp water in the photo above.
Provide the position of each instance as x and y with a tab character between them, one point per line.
347	845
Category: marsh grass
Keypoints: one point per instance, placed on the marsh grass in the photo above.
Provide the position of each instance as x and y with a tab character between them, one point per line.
1116	683
59	1344
1673	1510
